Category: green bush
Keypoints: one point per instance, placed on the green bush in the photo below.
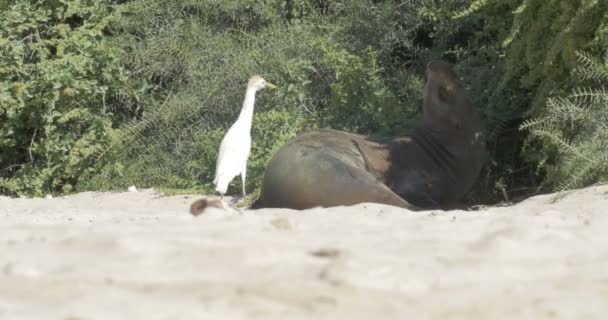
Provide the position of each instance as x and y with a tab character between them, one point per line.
58	80
568	130
575	129
198	55
355	65
541	59
98	95
360	100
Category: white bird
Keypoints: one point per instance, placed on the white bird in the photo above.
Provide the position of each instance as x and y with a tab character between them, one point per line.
236	145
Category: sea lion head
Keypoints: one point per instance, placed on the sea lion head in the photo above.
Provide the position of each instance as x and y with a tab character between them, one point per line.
447	107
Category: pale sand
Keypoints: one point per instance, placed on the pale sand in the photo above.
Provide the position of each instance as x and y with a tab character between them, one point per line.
142	256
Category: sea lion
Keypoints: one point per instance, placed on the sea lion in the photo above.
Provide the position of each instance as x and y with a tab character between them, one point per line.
432	168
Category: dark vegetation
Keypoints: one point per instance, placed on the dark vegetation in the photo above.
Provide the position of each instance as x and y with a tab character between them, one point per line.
98	95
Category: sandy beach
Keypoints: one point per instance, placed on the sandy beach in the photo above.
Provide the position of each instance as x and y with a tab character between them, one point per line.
141	255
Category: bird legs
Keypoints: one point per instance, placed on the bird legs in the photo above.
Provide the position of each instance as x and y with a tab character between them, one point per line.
243	178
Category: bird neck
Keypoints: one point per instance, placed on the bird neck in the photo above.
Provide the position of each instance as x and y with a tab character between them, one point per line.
246	115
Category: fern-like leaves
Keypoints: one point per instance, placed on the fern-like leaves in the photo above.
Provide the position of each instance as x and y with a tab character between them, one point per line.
576	127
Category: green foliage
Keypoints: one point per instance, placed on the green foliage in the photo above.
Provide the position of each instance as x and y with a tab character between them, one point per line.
359	86
545	38
575	129
58	78
199	54
98	95
541	58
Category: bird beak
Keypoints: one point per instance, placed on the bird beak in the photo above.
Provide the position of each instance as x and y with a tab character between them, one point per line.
270	85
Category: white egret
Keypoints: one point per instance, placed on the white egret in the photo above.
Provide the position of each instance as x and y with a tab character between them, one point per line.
236	145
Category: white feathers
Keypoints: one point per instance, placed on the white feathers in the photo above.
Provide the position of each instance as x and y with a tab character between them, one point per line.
236	145
232	157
